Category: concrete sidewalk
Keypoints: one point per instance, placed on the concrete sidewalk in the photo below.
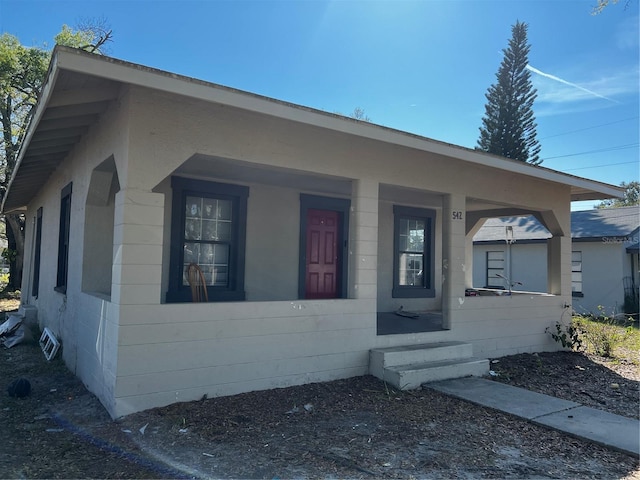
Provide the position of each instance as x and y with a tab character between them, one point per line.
614	431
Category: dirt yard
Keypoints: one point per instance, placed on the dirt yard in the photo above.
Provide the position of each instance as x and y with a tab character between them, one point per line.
355	428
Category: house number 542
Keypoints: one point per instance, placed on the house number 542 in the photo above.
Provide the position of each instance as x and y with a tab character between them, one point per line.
457	215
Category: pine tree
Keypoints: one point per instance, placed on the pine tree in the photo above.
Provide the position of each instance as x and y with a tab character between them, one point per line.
509	126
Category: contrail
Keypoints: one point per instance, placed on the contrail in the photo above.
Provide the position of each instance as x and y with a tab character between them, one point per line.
558	79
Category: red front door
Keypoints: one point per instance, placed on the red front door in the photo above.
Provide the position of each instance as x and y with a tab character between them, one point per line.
321	278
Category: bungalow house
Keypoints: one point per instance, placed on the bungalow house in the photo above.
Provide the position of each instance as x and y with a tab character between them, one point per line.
604	257
310	230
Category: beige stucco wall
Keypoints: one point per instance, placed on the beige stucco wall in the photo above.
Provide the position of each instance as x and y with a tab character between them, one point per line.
179	352
86	324
231	133
166	353
273	227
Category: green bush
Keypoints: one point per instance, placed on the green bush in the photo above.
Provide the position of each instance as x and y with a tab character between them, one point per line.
569	336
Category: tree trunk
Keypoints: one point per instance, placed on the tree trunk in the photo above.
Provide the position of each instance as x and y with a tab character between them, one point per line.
15	242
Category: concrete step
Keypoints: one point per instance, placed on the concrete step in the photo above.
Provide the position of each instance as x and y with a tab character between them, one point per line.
408	377
381	358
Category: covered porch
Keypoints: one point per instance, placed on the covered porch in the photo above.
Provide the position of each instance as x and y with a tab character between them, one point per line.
431	233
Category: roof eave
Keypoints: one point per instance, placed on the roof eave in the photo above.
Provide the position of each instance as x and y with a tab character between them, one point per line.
64	58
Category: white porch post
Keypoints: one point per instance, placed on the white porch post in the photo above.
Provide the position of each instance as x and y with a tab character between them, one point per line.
470	232
559	265
453	255
558	222
363	248
137	248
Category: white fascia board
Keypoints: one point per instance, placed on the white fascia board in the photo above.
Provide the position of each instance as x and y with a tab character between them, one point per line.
125	72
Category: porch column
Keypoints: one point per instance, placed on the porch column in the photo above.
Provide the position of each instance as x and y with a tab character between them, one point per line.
137	248
559	265
363	251
476	225
453	255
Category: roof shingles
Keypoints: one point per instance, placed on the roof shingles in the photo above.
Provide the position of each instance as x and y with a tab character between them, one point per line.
623	222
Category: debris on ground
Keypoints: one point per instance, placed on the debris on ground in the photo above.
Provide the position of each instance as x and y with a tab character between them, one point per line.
352	428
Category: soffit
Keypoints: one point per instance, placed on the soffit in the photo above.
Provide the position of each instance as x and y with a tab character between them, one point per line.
71	108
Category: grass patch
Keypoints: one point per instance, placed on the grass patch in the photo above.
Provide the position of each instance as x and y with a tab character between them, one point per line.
609	337
9	301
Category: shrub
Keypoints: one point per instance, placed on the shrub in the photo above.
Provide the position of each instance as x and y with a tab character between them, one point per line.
570	336
603	333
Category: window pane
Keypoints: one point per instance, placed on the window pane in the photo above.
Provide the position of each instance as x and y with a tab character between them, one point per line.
223	231
221	255
411	269
206	256
191	253
576	286
495	255
213	260
411	235
193	207
403	243
220	276
209	230
416	235
216	230
224	210
216	276
192	229
207	219
209	208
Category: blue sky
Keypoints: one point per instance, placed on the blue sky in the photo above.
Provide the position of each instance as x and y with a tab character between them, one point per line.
419	66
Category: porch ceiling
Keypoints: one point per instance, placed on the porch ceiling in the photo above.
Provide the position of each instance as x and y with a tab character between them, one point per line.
200	166
395	193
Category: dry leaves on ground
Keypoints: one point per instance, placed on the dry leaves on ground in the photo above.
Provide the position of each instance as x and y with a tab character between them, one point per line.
353	428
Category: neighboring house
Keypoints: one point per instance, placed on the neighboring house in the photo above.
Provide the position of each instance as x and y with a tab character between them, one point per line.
311	230
604	258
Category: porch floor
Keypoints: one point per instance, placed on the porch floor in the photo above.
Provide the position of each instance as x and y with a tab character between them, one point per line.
391	324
